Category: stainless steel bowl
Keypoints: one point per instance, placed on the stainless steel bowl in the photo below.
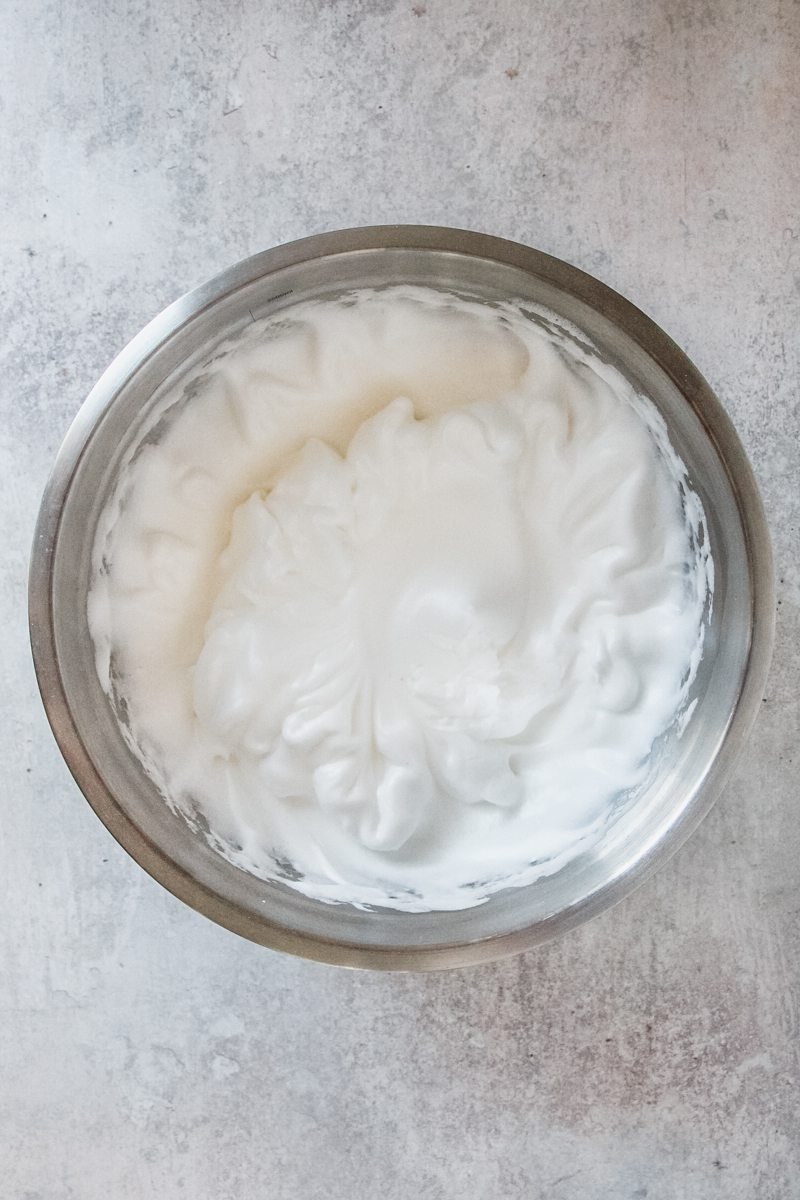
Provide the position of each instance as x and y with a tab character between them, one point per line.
728	687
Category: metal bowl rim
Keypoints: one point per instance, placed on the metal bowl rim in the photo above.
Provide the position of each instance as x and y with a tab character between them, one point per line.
655	343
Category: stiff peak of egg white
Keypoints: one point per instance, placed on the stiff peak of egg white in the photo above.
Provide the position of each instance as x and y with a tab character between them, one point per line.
403	596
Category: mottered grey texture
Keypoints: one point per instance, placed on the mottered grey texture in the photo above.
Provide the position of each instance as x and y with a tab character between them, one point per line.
144	1052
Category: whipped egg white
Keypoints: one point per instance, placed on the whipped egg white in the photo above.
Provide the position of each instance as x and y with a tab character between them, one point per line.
398	594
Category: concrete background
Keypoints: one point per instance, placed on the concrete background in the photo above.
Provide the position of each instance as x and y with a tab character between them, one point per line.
144	1052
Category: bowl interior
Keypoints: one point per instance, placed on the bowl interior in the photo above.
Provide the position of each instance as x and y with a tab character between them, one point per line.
127	800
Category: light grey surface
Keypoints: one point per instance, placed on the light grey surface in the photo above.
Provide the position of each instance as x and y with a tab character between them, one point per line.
143	1051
